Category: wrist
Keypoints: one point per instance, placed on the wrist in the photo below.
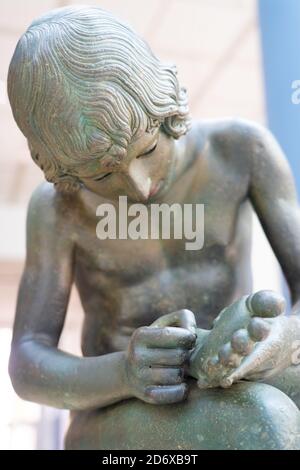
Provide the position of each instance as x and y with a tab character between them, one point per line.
125	383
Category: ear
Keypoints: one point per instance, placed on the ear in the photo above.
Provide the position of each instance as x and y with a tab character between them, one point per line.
67	184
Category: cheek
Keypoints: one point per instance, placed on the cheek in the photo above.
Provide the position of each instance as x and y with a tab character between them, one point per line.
162	161
165	161
112	188
95	187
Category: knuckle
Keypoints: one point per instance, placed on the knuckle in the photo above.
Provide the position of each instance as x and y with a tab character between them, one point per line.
182	392
182	356
134	355
149	395
134	337
178	376
139	333
188	339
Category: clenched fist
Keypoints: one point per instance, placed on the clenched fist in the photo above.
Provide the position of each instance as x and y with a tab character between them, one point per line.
158	356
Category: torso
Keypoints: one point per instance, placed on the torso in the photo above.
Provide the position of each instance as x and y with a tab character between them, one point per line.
125	284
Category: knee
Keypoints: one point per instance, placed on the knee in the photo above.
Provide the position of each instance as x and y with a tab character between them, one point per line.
247	416
265	418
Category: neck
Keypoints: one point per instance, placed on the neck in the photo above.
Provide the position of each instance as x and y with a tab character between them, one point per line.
185	156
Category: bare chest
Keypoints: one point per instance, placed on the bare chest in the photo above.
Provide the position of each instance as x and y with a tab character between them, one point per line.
127	283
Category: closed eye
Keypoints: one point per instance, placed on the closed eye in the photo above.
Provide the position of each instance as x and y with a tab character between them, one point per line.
148	151
102	177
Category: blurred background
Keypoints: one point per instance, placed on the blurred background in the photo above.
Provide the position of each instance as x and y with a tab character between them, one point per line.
228	52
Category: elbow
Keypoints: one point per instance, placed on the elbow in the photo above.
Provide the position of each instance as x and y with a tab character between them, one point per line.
15	376
18	372
30	380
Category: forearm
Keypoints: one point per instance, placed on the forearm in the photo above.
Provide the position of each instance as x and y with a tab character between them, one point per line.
46	375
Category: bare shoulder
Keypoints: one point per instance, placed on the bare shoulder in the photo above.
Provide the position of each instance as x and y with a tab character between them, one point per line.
231	131
49	209
233	137
251	150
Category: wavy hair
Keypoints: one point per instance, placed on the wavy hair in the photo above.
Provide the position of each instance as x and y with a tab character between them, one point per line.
81	84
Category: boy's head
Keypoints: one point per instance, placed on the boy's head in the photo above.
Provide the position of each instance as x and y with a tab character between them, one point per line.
83	86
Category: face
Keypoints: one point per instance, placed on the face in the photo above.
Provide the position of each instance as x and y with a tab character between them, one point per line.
143	175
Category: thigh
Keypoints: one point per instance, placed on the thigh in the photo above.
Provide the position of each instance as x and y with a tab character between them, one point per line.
246	416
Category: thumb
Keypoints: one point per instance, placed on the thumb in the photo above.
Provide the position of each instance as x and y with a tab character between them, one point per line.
181	318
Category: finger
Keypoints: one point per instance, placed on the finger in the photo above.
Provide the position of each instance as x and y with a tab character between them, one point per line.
263	352
182	318
241	342
258	329
162	395
169	337
163	357
163	376
266	303
227	357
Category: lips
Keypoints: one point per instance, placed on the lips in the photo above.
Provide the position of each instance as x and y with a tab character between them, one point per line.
155	188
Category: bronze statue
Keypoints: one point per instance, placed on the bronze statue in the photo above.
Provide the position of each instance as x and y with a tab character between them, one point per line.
105	118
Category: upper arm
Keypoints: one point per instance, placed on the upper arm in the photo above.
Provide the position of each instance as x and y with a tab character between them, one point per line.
274	198
47	277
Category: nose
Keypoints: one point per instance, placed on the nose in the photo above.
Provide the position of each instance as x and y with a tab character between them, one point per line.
139	180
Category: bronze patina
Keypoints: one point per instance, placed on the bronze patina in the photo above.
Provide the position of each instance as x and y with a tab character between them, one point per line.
177	351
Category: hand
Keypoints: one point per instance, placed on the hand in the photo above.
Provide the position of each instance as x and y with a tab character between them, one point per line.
157	357
271	344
